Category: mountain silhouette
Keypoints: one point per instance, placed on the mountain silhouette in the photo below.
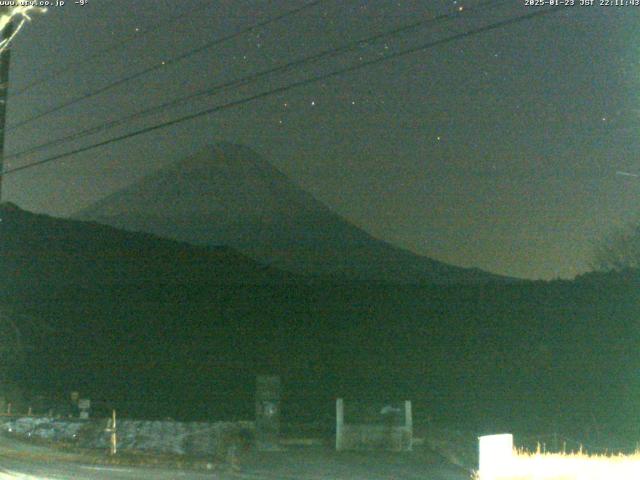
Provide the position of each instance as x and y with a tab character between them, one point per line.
155	327
228	195
47	256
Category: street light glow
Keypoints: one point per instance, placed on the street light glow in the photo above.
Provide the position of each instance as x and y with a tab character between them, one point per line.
11	13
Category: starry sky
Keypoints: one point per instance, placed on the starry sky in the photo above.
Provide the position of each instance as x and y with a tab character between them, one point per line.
501	150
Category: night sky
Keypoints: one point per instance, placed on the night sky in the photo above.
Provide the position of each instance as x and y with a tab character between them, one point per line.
501	150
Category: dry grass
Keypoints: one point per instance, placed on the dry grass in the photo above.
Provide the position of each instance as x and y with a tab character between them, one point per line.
566	466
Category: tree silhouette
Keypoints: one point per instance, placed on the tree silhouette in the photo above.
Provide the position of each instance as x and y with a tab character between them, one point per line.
620	251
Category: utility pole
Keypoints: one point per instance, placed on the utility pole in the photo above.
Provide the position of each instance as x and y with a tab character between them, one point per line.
5	56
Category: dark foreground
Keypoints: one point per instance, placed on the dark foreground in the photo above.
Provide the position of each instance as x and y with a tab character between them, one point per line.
18	460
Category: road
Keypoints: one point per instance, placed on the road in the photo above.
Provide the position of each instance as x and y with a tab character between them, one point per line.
21	460
27	462
29	470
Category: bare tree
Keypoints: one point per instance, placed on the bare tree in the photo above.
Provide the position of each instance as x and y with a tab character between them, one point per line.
620	251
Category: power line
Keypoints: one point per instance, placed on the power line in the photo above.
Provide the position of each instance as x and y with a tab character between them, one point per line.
256	76
291	86
165	63
71	66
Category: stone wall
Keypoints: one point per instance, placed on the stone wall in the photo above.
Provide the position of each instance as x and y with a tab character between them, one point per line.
197	439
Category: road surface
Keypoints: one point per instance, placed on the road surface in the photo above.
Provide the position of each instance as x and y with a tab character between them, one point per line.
27	462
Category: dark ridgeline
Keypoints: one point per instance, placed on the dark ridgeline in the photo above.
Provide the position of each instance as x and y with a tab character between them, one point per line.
228	195
163	328
128	315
